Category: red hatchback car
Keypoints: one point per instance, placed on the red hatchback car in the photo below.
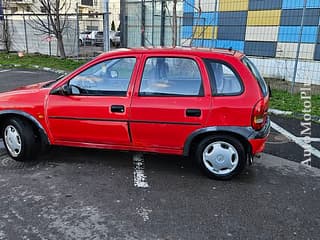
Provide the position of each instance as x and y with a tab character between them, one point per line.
208	104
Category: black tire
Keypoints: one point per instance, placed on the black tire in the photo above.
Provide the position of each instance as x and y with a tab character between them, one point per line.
21	131
226	152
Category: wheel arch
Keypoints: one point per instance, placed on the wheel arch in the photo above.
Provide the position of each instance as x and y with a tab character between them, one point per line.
240	133
25	116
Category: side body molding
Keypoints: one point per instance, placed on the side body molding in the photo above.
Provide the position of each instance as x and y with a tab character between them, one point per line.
245	132
44	136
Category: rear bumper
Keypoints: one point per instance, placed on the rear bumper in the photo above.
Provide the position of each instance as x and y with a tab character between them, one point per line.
258	138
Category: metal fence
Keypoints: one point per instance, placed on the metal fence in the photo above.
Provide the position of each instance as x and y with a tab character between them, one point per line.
281	37
25	34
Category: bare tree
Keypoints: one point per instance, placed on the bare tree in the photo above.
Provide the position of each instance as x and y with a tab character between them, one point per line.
5	31
56	21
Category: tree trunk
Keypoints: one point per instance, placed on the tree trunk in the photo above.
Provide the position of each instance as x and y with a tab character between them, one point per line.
6	34
61	45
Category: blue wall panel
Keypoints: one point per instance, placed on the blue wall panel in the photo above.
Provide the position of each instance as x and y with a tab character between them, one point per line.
188	6
291	34
293	17
187	31
203	43
187	19
206	18
311	17
309	34
313	4
233	18
265	4
292	4
317	52
237	45
263	49
232	32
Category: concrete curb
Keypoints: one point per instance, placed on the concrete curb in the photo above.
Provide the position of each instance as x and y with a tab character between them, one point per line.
35	67
289	113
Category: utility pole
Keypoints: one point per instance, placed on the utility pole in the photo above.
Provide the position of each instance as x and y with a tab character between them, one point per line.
106	26
298	48
123	23
77	30
25	31
143	22
163	21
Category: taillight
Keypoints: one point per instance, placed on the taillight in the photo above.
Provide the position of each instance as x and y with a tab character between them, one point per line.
259	114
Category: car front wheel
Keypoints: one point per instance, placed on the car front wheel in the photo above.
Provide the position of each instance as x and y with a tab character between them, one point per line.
221	157
19	140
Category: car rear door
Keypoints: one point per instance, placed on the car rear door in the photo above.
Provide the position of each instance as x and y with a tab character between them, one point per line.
171	100
97	109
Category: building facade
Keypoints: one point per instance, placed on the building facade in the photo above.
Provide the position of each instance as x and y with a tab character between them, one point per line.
260	28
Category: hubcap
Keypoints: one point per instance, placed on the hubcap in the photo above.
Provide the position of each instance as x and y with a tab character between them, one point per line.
220	157
12	140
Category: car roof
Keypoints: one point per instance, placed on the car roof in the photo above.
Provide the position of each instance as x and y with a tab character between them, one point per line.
201	52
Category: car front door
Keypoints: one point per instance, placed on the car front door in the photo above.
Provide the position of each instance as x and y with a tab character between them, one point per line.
93	106
170	102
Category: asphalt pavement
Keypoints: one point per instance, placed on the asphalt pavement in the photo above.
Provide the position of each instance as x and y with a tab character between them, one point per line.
72	193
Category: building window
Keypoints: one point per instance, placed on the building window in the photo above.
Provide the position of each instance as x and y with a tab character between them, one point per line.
87	2
43	10
14	9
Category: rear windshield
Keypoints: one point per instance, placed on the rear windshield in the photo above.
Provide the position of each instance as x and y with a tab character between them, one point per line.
257	75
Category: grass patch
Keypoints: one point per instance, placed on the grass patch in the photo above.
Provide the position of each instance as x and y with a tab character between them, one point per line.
28	61
283	100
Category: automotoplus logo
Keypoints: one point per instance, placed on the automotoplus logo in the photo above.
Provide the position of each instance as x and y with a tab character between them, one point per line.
306	95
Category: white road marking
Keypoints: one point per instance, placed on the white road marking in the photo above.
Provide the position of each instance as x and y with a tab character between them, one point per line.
298	140
28	72
311	139
5	70
140	179
144	213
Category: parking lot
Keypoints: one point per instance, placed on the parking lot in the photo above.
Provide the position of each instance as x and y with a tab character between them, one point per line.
75	193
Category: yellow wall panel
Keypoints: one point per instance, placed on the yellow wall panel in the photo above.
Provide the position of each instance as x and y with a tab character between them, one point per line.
206	32
264	18
233	5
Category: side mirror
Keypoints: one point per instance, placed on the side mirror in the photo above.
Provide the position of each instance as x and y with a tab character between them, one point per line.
64	90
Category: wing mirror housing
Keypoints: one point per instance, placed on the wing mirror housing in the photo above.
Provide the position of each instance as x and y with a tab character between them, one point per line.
64	90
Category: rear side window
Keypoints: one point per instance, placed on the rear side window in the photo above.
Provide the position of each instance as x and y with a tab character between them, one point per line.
224	81
169	76
263	85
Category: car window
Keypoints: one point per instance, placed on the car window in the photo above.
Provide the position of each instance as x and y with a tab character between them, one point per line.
263	85
171	76
110	77
223	79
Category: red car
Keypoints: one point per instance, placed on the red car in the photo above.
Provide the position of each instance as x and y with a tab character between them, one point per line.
208	104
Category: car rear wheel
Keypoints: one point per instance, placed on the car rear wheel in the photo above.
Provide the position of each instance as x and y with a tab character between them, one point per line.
221	157
19	140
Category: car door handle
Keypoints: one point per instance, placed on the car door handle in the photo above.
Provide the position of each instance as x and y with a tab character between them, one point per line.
117	108
193	112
